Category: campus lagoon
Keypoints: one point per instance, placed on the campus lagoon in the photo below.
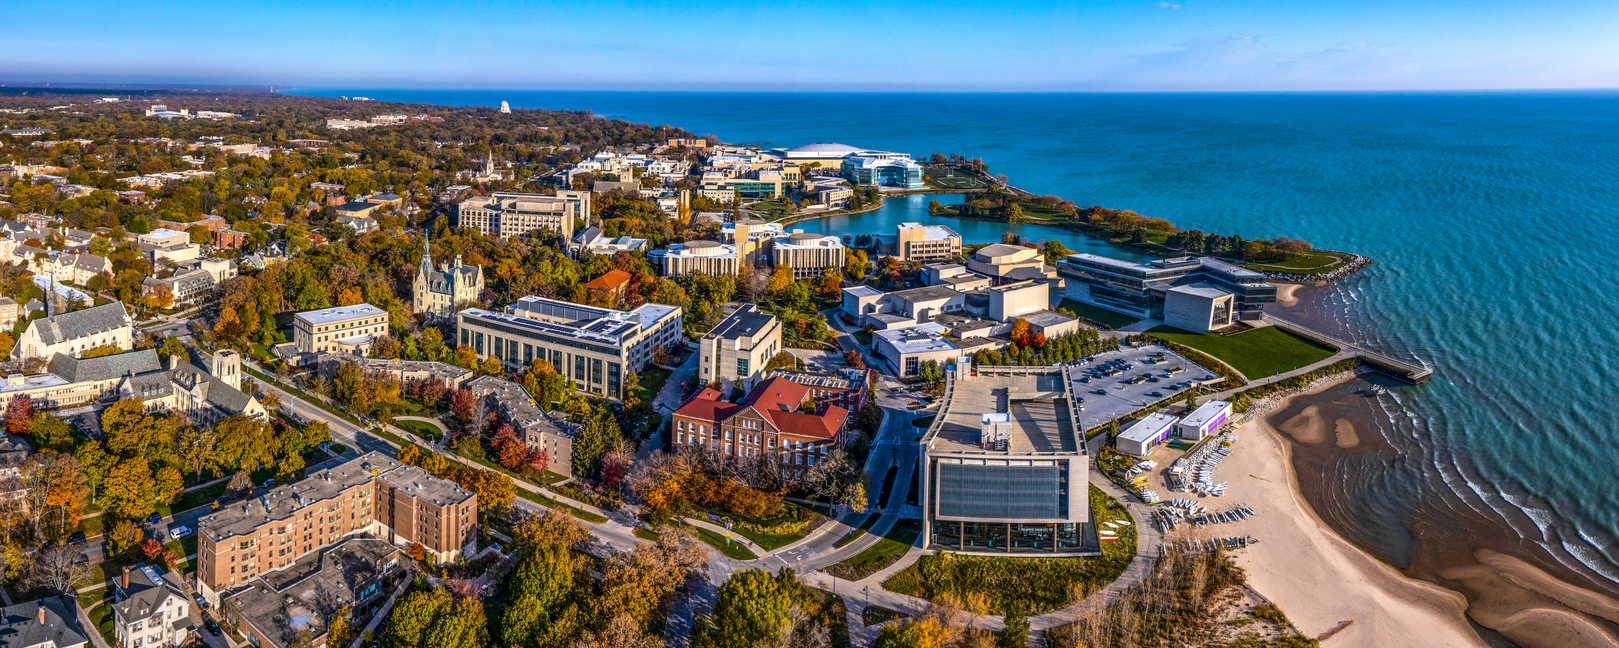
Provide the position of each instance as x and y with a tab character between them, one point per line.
913	208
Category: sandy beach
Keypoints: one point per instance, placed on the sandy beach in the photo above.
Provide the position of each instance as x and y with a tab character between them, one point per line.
1284	293
1316	577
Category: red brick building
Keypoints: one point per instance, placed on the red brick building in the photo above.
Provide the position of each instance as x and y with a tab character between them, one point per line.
770	420
229	239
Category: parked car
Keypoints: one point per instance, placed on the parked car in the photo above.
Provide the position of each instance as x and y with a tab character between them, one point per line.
76	538
213	628
268	483
202	603
179	532
155	518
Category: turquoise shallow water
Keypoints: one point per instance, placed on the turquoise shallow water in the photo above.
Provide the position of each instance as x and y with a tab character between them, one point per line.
1491	217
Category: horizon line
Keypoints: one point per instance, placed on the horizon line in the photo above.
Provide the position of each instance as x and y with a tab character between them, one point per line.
292	89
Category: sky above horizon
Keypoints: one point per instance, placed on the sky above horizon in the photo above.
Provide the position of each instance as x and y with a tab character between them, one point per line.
1127	45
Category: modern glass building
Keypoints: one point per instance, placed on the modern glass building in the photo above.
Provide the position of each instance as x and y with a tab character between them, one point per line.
876	168
1138	289
1003	469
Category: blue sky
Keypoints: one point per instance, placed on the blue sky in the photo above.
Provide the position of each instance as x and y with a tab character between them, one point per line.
1125	45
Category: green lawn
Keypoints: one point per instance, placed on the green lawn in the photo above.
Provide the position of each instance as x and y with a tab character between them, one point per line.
552	503
766	540
652	380
1316	262
1258	353
730	548
419	428
646	535
863	337
101	615
1098	314
878	556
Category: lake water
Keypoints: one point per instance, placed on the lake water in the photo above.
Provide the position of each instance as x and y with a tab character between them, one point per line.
913	208
1490	217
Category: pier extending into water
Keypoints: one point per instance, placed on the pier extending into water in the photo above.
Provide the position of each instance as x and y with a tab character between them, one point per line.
1410	372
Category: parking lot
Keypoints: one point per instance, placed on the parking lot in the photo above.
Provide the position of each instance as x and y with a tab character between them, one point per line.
1131	377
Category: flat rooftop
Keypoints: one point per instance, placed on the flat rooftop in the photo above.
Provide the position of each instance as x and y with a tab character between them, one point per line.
339	314
1036	401
745	322
921	338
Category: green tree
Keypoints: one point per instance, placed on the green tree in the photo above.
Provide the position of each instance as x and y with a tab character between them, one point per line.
753	609
50	432
414	616
172	347
464	626
1016	634
545	574
595	439
131	431
871	417
197	449
96	463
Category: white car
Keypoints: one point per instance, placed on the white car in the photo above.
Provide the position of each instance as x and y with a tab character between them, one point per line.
179	532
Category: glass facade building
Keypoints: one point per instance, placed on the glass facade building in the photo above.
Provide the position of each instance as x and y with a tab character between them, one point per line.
1138	289
1002	470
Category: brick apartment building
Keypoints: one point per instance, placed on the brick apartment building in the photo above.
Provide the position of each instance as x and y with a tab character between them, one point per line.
371	495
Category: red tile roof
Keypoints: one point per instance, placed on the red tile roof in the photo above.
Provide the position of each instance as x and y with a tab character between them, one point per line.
610	280
706	405
777	401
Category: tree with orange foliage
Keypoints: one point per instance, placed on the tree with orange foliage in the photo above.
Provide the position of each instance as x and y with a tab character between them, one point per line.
1020	332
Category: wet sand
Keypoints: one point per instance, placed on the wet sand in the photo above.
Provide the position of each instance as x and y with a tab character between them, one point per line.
1315	576
1286	294
1499	582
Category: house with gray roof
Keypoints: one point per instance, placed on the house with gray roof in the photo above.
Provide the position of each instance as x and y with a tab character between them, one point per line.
150	610
51	622
74	333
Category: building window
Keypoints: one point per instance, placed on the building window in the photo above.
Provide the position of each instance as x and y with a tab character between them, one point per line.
742	367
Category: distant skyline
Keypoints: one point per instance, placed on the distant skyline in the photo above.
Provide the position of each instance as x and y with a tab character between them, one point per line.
1127	45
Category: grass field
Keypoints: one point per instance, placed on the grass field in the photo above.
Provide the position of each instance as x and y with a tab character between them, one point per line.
419	428
1098	314
886	552
1258	353
730	548
1317	262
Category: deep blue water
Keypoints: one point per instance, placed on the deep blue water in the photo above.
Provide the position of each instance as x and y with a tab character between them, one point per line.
1491	218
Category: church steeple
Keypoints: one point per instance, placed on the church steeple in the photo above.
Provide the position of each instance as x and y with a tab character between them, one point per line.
427	254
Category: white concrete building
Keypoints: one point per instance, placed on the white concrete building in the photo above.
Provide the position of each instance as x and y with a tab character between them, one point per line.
345	328
1144	435
739	347
1198	307
808	254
